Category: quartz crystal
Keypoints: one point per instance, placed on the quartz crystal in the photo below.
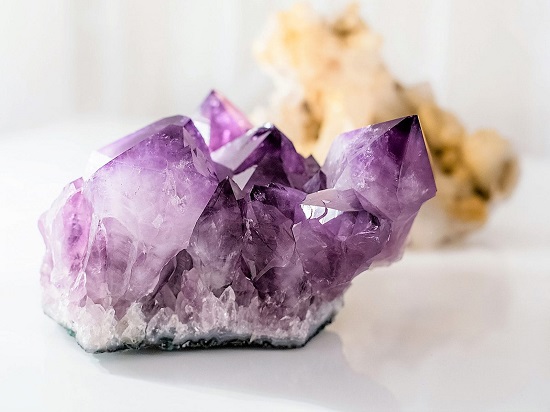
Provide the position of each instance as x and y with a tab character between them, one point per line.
178	238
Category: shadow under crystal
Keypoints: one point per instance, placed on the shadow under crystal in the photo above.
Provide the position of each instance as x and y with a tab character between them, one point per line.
317	373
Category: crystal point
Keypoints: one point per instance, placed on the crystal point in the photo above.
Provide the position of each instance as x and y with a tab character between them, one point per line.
226	121
172	242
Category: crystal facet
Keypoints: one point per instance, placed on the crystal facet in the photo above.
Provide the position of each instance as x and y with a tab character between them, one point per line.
225	120
173	242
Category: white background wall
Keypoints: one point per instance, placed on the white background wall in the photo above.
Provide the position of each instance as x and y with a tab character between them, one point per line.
488	60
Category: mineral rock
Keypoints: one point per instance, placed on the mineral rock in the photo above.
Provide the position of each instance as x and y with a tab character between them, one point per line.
228	237
330	77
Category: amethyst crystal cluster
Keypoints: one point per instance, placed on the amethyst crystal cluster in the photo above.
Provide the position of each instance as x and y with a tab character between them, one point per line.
212	232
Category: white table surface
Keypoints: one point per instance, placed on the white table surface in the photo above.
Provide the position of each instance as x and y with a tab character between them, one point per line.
464	328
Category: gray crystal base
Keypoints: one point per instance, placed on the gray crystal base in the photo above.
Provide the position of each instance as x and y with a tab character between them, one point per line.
167	344
220	324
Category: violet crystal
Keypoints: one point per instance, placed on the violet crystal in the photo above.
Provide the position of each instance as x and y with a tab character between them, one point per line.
227	236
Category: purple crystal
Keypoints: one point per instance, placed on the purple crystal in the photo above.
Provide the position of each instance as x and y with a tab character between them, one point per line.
171	242
264	156
226	121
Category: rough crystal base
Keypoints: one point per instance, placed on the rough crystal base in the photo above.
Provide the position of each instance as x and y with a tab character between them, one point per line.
222	323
